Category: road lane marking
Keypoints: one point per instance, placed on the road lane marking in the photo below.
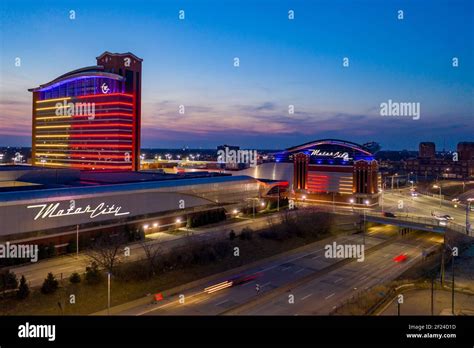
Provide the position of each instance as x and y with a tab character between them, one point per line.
304	298
338	280
222	302
328	297
300	270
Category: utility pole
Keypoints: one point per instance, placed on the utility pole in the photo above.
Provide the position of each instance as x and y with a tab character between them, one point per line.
452	291
278	203
432	295
77	241
108	293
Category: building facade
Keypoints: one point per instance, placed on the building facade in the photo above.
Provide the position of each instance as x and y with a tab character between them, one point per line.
90	118
327	170
428	166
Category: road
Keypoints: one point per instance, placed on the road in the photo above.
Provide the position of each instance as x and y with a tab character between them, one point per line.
64	266
316	282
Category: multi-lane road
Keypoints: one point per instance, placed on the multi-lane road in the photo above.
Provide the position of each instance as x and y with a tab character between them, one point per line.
304	283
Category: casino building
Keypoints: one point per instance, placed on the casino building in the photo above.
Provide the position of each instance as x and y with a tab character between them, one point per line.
89	118
327	170
55	205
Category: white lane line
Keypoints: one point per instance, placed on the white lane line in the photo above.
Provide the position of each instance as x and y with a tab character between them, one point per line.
363	277
338	280
328	297
249	283
222	302
268	283
316	257
300	270
304	298
284	269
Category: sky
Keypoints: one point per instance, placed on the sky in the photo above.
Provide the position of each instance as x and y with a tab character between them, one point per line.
283	62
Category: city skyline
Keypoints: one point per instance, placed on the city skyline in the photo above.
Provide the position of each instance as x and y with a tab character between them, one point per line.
283	62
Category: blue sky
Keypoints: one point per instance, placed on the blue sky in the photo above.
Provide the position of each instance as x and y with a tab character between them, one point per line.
282	62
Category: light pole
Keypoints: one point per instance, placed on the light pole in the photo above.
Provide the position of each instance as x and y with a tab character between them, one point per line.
108	293
452	274
366	202
468	209
381	191
77	241
438	187
278	203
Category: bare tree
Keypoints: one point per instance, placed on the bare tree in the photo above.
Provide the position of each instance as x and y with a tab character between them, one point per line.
106	250
152	253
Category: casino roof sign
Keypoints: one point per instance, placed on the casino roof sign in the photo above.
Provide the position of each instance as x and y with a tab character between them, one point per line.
328	151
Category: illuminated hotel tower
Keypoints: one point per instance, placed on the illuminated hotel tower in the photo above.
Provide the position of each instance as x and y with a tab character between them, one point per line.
90	118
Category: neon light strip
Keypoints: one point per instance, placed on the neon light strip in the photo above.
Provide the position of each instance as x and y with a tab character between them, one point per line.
100	166
96	115
52	117
51	100
51	145
85	155
51	154
102	145
102	125
54	164
104	115
100	135
53	136
47	127
105	95
96	104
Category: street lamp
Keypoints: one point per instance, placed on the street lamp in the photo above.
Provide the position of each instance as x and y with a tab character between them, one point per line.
468	209
108	293
452	274
438	187
351	201
366	202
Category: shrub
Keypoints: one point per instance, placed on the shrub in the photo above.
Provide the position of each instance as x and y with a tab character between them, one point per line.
232	235
246	234
23	290
93	275
75	278
50	284
8	280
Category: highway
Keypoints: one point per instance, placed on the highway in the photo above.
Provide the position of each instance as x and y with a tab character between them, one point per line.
317	283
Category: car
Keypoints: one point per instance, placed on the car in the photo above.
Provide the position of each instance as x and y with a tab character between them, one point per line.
448	217
389	214
400	258
414	194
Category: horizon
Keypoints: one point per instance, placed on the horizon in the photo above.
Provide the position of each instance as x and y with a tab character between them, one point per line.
282	62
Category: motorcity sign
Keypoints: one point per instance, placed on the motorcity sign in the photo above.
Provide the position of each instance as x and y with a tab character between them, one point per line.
53	210
332	154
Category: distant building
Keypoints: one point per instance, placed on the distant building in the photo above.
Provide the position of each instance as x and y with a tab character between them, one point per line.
427	150
454	166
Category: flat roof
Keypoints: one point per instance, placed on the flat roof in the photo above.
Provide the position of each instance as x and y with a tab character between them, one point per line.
69	191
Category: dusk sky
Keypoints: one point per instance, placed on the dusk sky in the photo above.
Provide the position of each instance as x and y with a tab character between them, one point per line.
282	62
